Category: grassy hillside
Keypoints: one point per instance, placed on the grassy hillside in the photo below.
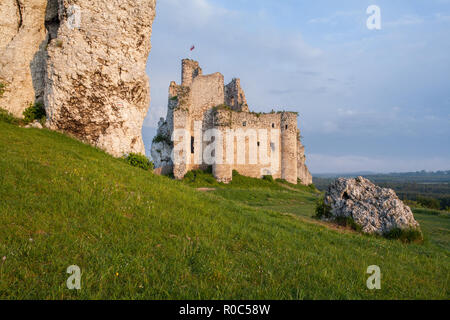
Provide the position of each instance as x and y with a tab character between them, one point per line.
140	236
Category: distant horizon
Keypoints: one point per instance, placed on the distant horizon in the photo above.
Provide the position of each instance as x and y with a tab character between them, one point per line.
374	173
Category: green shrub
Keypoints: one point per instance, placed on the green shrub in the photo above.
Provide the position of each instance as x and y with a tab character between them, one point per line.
322	210
209	170
429	203
200	178
2	89
190	176
348	222
268	178
7	117
405	235
139	161
34	112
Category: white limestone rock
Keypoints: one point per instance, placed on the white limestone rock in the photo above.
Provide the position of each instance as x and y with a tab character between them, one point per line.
377	210
162	147
23	39
96	88
35	124
161	154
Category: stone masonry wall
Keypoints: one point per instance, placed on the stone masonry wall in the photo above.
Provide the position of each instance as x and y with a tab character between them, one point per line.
205	99
249	124
289	147
235	96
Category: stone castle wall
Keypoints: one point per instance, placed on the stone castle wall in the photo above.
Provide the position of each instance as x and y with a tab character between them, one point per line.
235	96
207	100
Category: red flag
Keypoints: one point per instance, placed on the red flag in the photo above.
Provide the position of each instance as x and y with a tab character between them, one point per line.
192	48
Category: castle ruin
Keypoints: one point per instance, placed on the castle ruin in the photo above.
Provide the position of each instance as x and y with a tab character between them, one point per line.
203	104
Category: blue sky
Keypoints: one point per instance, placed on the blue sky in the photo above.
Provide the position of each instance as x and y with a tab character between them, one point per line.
375	100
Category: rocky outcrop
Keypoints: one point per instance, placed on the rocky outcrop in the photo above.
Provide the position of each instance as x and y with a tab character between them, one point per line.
377	210
162	146
85	60
22	59
97	88
35	124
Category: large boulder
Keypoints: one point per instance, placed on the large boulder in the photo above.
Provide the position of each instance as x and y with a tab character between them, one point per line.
376	210
97	88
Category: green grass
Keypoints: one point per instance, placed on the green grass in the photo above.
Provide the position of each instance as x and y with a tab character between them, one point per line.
6	116
64	203
2	89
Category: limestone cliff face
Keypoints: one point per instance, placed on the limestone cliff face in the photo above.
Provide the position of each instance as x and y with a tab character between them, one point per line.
22	36
96	87
85	60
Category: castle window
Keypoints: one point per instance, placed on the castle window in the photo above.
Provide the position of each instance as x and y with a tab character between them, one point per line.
258	143
192	145
244	123
273	125
286	127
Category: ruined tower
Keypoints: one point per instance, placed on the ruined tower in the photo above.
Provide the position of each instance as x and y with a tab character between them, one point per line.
209	124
